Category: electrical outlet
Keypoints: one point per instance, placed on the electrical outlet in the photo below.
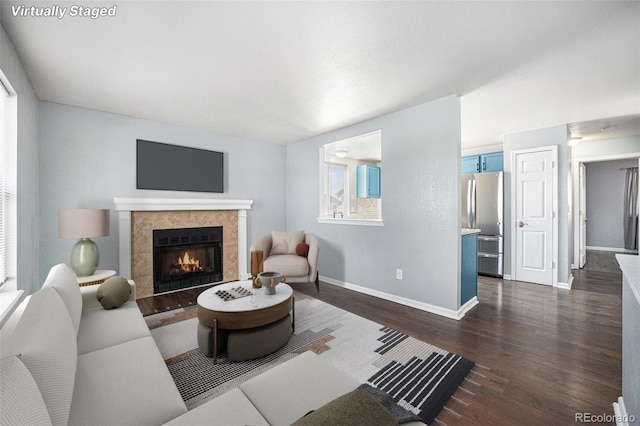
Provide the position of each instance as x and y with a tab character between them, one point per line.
398	274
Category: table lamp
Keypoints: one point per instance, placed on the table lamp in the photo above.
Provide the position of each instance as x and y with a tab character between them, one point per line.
83	224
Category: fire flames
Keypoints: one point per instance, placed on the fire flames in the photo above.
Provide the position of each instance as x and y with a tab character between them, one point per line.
187	264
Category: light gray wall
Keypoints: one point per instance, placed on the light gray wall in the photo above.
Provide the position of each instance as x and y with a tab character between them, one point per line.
28	160
420	181
535	139
605	202
89	157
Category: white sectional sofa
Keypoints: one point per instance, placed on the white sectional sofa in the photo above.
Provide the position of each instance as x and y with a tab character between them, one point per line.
66	360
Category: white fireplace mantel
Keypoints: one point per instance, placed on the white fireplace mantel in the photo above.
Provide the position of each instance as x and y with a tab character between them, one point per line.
124	207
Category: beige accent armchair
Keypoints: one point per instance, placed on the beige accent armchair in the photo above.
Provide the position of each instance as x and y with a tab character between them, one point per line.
281	256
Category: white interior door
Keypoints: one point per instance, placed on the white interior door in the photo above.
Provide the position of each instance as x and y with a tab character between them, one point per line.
582	215
534	216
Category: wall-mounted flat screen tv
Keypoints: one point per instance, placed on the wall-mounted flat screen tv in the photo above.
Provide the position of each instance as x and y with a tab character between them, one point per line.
178	168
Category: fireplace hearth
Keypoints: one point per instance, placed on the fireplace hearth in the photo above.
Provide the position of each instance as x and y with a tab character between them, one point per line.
186	257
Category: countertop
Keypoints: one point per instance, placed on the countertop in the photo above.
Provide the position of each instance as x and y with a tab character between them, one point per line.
630	265
467	231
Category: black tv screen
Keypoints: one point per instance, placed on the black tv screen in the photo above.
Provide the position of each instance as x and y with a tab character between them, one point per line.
178	168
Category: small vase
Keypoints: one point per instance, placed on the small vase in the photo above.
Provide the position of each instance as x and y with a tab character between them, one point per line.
269	280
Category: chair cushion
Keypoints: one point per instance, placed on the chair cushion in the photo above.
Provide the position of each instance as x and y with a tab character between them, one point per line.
113	292
290	265
285	242
64	281
45	340
20	400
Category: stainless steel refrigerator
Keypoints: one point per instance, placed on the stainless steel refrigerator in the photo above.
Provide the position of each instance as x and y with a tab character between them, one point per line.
482	208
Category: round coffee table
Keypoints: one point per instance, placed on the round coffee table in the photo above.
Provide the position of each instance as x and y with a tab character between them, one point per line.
217	310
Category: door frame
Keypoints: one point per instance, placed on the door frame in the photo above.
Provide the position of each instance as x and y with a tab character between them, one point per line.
575	168
554	207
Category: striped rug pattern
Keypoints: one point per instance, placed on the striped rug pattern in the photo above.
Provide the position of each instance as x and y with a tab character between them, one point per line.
418	376
422	385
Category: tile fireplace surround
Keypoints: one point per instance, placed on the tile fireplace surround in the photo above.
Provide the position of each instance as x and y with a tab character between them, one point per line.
138	217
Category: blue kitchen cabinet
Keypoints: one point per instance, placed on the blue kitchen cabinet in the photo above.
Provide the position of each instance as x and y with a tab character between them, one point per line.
368	181
471	164
492	162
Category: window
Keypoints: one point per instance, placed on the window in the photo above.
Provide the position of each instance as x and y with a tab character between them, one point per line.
342	200
336	184
8	183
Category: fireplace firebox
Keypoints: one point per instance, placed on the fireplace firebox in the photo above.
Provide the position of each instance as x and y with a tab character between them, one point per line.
186	257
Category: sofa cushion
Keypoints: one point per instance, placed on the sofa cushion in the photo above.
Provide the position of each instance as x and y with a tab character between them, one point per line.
113	292
45	340
64	281
287	392
357	407
290	265
285	242
126	384
20	400
229	409
100	328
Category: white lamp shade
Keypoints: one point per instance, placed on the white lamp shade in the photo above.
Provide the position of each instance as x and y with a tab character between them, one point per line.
83	223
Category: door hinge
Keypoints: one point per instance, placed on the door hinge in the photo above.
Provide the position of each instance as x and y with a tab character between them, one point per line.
553	265
553	215
581	251
553	164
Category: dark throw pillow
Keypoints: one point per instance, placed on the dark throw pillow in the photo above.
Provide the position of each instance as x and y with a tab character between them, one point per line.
114	292
355	408
302	249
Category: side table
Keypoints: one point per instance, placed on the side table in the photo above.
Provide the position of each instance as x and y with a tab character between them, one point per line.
98	278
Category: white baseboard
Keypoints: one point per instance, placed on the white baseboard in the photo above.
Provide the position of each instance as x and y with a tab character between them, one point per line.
567	285
615	249
467	307
622	418
507	277
448	313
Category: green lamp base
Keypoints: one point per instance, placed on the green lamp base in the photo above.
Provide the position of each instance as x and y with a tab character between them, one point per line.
84	257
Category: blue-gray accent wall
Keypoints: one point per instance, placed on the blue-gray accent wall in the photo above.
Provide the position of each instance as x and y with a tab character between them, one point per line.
88	157
27	168
420	181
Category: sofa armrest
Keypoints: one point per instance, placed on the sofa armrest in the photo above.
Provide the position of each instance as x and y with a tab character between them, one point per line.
90	297
263	243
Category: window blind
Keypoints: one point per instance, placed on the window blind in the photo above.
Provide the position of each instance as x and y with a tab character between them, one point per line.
8	185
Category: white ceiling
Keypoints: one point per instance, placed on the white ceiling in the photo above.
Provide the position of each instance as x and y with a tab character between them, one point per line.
367	147
285	71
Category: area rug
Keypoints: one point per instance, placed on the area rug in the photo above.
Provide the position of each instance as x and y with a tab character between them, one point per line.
420	377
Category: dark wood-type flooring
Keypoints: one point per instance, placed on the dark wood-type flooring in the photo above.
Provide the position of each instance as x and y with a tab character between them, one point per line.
542	354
